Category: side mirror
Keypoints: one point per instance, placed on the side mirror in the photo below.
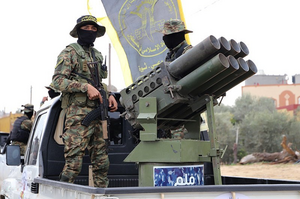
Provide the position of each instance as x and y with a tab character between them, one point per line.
3	149
13	156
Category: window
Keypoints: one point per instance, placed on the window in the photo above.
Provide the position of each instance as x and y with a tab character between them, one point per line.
36	138
115	128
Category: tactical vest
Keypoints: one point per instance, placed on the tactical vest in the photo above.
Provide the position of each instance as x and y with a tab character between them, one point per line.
182	49
18	134
83	74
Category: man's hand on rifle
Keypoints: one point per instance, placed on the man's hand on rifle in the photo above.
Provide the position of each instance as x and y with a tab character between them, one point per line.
93	93
112	103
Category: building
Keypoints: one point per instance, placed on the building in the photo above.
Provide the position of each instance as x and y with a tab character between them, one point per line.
286	96
7	121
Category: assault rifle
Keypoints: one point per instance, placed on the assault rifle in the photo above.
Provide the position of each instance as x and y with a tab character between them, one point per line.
101	113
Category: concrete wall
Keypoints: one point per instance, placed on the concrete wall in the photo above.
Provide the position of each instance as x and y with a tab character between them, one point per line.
283	94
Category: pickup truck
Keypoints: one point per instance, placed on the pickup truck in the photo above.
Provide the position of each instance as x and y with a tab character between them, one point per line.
157	149
36	174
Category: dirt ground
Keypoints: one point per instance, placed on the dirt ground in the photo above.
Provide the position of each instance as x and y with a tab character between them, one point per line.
263	170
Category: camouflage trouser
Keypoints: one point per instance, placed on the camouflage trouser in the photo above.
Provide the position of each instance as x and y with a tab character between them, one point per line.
77	138
179	132
22	146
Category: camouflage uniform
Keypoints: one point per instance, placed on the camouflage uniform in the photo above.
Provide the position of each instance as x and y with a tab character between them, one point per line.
72	75
21	129
171	27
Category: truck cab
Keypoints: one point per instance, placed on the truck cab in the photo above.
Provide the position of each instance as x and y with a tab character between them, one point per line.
44	156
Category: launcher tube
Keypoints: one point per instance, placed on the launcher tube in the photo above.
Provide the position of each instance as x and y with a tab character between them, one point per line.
244	50
235	48
194	57
243	68
225	45
233	67
252	71
203	73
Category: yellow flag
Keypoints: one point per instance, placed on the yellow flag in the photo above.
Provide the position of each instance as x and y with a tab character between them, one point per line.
134	29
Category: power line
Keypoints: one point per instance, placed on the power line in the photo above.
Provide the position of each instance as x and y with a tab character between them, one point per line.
207	6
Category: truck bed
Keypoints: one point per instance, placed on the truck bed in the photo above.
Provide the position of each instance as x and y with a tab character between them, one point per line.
274	189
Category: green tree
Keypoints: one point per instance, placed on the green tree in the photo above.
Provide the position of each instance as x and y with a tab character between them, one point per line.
293	135
262	131
260	125
246	104
223	108
226	134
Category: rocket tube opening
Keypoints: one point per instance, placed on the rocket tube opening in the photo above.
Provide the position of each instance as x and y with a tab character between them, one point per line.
243	64
252	66
223	60
235	46
224	43
233	62
244	48
215	42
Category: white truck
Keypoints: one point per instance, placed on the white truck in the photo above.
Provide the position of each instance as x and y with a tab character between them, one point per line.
157	149
36	174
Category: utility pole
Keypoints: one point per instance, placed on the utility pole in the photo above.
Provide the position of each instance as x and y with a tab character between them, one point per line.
109	66
30	95
235	145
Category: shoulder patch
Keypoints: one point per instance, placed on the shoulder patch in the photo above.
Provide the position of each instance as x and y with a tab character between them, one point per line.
60	61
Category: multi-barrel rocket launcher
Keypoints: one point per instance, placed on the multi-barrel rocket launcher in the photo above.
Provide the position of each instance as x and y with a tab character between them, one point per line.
174	95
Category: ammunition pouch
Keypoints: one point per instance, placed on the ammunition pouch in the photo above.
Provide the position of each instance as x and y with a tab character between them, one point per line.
80	51
64	100
78	99
83	75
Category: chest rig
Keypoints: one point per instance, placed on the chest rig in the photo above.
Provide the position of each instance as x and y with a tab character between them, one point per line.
177	52
85	64
85	72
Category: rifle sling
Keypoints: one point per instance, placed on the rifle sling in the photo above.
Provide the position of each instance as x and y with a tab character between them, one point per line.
96	79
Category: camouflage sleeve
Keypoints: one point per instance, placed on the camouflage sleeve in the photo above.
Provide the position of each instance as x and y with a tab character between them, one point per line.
61	80
26	125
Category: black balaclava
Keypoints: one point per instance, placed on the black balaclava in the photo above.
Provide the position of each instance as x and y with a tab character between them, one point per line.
52	93
86	37
29	114
174	39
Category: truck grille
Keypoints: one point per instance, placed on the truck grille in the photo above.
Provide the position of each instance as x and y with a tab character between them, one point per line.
123	182
34	188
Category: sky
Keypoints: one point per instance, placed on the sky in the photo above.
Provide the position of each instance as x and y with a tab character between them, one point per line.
34	32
